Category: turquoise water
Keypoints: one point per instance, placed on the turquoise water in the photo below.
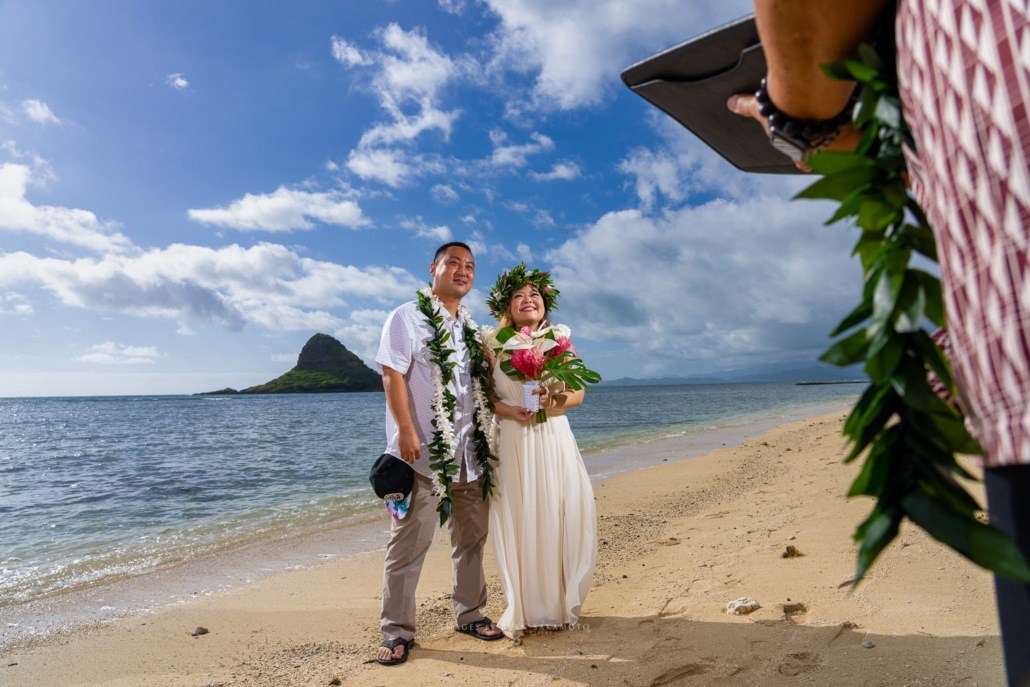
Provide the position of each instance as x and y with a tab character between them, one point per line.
97	489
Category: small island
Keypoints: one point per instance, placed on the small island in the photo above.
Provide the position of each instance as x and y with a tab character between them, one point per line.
324	366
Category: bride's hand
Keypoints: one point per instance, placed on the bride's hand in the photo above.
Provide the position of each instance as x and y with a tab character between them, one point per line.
502	409
545	396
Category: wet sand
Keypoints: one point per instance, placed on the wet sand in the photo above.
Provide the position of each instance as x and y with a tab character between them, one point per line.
678	541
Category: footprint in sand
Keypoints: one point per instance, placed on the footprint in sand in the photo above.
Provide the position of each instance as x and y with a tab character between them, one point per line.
676	675
795	611
795	664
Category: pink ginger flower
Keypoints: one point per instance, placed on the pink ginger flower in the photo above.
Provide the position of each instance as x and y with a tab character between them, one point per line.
561	344
528	361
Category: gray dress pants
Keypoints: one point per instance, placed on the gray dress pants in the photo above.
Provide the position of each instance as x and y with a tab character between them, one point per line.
409	542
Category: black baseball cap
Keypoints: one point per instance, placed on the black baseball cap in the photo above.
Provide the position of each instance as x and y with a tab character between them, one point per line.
391	477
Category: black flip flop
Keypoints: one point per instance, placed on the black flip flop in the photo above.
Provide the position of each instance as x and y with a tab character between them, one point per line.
392	644
470	629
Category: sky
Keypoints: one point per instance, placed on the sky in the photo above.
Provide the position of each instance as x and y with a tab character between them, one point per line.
191	190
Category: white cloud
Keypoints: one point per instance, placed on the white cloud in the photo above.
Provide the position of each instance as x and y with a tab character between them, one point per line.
440	233
681	167
390	167
361	333
407	128
110	353
284	210
504	255
578	47
511	155
66	225
452	6
347	54
411	70
656	173
542	218
444	194
15	304
177	81
39	112
562	171
407	75
724	283
266	285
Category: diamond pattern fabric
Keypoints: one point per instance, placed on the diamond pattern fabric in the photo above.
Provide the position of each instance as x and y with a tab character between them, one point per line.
964	71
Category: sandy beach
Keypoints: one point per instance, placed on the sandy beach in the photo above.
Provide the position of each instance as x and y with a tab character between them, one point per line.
678	541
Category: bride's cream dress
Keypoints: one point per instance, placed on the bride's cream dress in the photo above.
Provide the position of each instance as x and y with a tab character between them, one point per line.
541	519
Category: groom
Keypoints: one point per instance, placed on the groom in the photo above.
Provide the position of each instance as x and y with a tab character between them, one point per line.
408	380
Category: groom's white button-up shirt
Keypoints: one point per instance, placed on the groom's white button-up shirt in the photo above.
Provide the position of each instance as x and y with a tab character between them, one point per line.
403	347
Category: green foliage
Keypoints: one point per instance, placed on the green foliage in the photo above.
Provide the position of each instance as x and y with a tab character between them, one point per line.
441	457
325	365
909	436
565	367
304	381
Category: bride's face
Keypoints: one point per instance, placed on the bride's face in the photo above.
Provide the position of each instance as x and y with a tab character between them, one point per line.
527	307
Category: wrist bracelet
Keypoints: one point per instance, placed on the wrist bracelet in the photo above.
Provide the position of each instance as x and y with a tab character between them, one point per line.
799	139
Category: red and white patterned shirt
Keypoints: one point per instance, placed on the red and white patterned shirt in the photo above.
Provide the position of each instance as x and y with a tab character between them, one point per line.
964	73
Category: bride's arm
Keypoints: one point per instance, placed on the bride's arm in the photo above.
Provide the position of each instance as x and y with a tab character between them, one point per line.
563	400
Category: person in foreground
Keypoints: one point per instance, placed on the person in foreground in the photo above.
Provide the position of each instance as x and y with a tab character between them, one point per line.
964	81
542	518
413	379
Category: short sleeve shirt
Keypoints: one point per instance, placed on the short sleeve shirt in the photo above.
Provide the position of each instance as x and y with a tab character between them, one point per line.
964	73
403	347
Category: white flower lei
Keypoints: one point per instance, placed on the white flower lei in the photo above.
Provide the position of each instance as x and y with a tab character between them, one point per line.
444	425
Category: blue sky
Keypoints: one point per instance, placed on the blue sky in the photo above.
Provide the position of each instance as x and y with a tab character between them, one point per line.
190	190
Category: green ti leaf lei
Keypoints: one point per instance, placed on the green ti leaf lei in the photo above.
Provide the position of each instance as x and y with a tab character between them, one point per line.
909	435
441	450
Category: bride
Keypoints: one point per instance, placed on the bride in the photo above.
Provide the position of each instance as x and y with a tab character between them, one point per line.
542	509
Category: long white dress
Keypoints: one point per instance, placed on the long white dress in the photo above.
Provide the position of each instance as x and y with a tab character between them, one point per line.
542	519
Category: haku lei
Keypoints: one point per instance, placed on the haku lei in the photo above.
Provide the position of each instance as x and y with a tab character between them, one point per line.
441	447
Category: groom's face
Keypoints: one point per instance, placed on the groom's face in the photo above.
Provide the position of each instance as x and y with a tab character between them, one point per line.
453	273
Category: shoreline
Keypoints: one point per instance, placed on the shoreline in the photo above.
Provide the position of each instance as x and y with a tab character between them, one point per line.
677	541
359	531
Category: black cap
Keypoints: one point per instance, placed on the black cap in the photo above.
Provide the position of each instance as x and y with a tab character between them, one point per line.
391	477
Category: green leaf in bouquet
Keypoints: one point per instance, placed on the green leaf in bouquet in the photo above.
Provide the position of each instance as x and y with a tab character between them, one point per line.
504	334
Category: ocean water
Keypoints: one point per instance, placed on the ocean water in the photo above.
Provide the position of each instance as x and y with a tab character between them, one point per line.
94	490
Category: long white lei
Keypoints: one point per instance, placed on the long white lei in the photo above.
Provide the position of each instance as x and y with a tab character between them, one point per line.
441	446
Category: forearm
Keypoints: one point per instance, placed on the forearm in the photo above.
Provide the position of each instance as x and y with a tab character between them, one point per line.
566	399
396	390
800	35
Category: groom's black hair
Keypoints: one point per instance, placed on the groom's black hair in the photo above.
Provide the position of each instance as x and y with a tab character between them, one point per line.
443	249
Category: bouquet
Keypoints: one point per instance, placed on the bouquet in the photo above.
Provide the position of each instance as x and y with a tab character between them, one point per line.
539	357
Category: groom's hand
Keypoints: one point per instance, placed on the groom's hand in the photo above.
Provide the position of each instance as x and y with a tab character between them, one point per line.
410	444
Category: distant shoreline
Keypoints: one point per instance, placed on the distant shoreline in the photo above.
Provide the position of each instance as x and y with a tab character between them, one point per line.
849	381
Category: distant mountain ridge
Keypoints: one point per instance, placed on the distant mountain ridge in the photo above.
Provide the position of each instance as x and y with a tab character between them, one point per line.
812	373
323	366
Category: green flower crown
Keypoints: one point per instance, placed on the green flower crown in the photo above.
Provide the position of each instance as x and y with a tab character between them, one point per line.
514	279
